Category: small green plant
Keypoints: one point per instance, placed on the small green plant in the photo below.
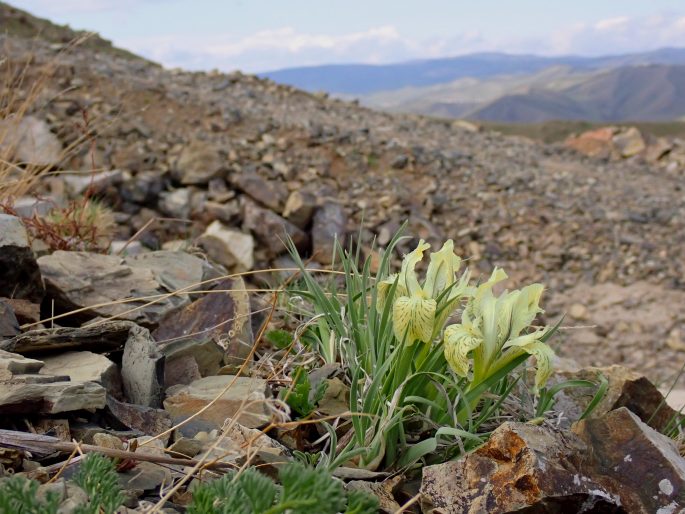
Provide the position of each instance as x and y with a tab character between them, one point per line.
98	478
300	396
419	387
281	339
302	490
19	495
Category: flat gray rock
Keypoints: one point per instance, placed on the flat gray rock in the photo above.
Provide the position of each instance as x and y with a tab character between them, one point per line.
19	396
98	283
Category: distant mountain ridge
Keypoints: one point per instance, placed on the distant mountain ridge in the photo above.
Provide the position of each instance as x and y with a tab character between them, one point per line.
646	86
360	79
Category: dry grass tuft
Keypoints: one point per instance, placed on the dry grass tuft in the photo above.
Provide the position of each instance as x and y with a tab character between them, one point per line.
81	224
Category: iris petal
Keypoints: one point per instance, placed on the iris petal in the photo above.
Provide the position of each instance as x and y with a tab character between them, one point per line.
413	316
525	308
459	341
407	274
443	266
543	355
383	290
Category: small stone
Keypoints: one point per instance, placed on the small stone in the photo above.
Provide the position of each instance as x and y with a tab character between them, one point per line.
270	193
300	207
466	126
185	447
594	143
675	341
96	183
676	399
630	142
126	248
104	336
24	310
329	225
19	273
399	162
29	206
142	369
108	441
198	163
85	366
181	370
176	203
146	476
30	141
241	440
147	420
228	247
382	490
272	230
247	393
578	311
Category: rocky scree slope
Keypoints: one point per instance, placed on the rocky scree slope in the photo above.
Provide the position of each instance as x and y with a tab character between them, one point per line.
245	156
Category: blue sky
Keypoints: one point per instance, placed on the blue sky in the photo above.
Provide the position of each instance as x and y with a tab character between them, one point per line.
260	35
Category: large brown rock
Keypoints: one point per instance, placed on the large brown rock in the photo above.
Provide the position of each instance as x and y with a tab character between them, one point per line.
627	388
594	143
221	318
522	468
19	273
244	400
635	462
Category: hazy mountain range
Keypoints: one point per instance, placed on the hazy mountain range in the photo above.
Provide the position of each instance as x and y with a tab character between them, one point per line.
513	88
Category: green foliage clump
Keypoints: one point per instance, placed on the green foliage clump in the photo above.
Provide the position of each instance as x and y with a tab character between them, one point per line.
302	490
19	495
423	387
281	339
98	478
300	397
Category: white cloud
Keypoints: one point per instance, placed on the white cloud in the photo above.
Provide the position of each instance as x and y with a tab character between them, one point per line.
621	35
279	47
612	23
61	7
286	47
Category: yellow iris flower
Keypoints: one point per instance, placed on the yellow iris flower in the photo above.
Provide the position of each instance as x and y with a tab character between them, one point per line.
491	330
419	311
